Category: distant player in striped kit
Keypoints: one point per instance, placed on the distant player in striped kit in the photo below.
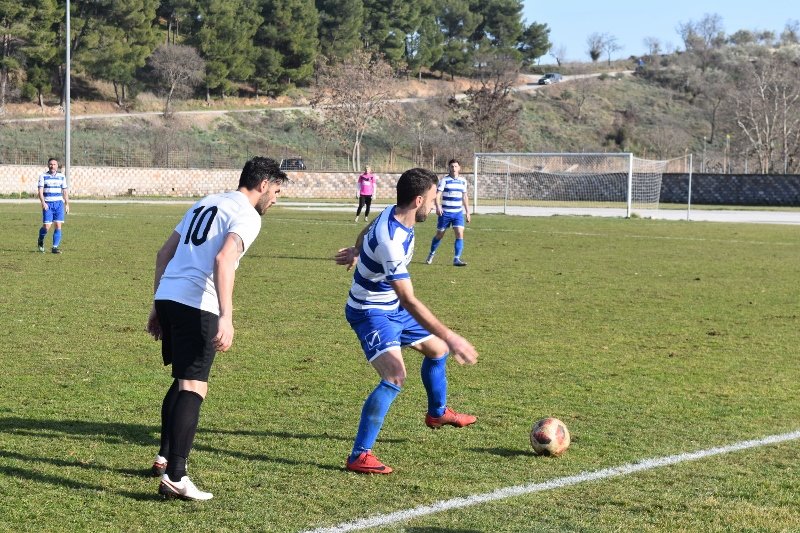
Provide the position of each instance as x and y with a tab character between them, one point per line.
366	189
452	206
54	198
386	316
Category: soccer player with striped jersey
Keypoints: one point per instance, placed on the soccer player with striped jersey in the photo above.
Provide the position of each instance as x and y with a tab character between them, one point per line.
192	310
452	206
386	316
54	198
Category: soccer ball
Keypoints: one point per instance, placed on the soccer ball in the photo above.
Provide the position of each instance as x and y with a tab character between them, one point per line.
549	436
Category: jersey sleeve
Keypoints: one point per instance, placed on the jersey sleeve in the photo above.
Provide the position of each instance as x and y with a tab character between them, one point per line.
246	227
442	183
393	260
40	181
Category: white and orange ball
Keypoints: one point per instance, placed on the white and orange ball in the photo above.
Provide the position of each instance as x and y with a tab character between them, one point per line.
549	436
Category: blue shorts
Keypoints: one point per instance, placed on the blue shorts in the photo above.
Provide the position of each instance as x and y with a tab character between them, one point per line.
53	213
450	219
380	331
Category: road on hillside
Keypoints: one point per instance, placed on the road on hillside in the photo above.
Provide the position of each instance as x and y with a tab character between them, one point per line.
530	84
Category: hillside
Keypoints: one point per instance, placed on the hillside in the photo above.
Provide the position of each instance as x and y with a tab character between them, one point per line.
601	114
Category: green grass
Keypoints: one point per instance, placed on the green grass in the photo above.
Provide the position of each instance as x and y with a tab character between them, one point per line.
647	338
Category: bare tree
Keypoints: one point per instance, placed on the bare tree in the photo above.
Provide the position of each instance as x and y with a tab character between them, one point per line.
702	38
595	44
653	48
180	68
610	45
559	53
767	107
353	94
491	113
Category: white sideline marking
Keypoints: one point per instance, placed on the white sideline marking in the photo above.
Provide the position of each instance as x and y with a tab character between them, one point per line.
519	490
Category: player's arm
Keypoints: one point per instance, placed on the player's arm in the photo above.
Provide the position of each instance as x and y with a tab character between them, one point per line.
465	202
460	348
65	194
224	275
163	257
349	256
438	203
41	197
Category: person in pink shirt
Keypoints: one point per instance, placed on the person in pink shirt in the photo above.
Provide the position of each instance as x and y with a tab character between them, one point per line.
366	189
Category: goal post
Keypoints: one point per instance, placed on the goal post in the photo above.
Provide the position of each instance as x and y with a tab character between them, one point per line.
607	184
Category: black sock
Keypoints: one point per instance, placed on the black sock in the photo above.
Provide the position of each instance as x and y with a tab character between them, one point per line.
183	425
166	409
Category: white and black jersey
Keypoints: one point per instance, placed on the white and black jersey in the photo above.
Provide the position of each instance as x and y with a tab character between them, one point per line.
189	276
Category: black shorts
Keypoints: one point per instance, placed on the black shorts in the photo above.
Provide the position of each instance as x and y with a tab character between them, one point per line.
186	342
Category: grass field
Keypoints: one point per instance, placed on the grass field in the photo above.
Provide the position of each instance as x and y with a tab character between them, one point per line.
647	338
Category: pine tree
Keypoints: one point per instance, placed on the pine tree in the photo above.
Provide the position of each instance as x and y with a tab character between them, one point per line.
340	23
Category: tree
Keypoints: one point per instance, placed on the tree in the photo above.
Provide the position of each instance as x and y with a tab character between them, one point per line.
501	23
286	43
121	43
535	42
595	44
180	69
352	95
387	24
457	24
610	45
225	40
424	44
42	50
766	105
15	19
703	38
491	113
339	26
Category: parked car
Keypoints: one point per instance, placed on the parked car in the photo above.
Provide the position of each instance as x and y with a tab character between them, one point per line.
292	163
550	77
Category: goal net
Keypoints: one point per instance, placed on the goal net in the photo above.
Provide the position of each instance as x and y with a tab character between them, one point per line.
582	184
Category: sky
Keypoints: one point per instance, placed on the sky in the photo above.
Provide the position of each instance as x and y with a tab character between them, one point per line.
572	21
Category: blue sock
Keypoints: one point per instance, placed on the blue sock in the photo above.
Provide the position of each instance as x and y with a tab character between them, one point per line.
42	233
56	238
435	381
375	409
459	247
435	244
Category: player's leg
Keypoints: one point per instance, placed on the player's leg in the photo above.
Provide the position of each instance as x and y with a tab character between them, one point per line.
47	221
360	206
434	378
191	334
441	227
368	203
458	246
159	467
56	237
379	337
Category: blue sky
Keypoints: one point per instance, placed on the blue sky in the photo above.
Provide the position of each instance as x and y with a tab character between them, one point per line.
572	21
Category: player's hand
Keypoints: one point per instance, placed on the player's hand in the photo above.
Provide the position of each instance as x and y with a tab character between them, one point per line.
224	337
469	218
461	349
66	208
439	210
347	257
153	325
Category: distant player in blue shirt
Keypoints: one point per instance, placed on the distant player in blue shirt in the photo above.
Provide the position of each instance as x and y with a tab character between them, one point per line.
452	206
386	316
54	198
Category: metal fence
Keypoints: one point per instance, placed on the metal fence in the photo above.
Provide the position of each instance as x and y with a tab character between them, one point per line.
166	155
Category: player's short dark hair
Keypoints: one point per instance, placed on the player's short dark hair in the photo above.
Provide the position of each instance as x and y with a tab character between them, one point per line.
453	161
412	183
52	159
259	169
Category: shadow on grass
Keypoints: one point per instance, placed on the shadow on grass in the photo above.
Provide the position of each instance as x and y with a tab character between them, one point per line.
504	452
142	435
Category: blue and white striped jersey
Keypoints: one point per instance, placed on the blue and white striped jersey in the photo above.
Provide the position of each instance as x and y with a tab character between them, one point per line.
385	253
52	184
453	191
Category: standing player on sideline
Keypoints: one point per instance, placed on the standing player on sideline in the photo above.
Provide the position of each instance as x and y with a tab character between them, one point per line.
366	189
385	315
192	311
54	198
452	206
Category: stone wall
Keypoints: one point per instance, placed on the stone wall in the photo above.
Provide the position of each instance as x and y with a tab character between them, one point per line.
710	189
122	181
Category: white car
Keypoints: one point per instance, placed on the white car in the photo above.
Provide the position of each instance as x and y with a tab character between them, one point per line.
550	77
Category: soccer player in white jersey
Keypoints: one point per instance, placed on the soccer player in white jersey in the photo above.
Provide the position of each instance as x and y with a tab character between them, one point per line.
452	206
192	311
386	316
54	198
